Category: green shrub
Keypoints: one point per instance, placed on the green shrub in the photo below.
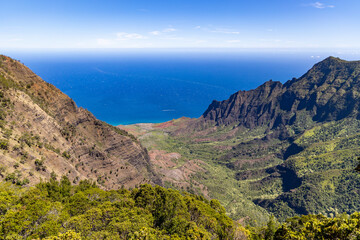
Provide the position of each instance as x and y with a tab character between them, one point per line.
66	155
4	144
39	165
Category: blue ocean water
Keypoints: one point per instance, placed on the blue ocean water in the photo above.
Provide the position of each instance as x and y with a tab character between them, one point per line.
136	87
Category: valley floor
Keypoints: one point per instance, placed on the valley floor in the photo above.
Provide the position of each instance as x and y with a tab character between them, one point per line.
247	171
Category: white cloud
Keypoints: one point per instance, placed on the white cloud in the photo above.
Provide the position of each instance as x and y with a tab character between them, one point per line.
197	27
155	33
159	32
129	36
167	30
120	39
320	5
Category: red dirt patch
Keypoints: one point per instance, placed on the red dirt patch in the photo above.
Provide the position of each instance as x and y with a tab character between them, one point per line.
165	124
163	159
165	164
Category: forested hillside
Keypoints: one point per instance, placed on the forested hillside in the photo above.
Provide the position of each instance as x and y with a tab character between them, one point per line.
280	149
58	210
88	212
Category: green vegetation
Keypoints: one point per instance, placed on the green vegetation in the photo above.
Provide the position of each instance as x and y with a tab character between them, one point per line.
68	131
52	148
39	165
217	175
55	209
66	155
329	183
15	178
119	131
311	227
296	157
242	170
6	83
4	144
5	103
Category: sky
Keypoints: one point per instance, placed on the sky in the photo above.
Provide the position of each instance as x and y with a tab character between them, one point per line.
244	24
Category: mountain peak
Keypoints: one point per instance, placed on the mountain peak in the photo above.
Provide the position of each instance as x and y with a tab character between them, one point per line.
326	92
330	61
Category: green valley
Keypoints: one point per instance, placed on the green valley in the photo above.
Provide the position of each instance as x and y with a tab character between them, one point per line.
281	150
279	159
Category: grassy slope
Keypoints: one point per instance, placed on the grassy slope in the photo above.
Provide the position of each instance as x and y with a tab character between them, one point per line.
325	167
218	178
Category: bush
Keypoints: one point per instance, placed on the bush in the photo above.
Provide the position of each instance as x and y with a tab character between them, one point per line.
4	144
66	155
39	165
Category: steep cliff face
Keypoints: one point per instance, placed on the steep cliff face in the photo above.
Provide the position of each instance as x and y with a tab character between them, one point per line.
329	91
248	108
43	133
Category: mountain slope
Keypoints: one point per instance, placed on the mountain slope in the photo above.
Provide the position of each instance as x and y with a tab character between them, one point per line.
312	123
44	134
282	149
329	91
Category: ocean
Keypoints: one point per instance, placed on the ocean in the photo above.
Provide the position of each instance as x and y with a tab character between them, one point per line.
125	87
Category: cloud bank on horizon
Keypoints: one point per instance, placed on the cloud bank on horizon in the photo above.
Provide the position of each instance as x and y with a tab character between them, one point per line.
180	24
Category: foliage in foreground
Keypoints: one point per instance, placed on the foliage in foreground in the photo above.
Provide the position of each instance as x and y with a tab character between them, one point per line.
58	210
311	227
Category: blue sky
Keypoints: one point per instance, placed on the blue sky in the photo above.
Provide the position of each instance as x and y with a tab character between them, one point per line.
260	24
